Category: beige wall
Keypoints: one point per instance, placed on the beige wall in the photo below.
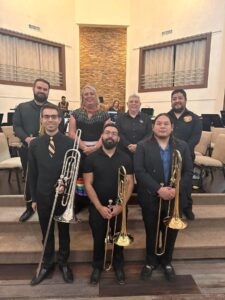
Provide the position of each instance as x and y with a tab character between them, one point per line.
149	18
146	19
59	21
56	21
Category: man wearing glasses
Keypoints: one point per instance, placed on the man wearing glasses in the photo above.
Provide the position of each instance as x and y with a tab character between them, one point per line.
101	184
26	124
46	155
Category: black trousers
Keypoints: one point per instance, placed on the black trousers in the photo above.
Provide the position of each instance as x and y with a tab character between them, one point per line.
150	218
44	207
99	226
23	152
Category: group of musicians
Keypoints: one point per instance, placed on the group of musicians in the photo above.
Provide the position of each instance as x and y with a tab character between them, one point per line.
144	149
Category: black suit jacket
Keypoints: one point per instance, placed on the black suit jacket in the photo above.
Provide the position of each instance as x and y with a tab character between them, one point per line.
149	172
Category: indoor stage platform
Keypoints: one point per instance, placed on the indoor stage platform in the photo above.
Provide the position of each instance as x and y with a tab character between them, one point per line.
198	257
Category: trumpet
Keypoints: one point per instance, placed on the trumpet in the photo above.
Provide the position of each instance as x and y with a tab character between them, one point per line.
174	221
68	175
121	238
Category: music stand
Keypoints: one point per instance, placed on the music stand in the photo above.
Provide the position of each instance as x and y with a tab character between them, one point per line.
148	111
211	120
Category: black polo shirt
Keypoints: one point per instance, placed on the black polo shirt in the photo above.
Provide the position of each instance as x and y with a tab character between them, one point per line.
187	127
105	171
133	130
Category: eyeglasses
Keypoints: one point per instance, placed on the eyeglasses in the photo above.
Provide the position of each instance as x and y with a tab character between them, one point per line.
47	117
113	133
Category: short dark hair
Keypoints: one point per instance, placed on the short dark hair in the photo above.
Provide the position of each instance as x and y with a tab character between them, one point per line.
50	106
42	80
63	97
179	91
166	115
110	125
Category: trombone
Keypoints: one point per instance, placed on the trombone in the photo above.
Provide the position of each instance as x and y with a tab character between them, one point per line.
67	179
121	238
174	221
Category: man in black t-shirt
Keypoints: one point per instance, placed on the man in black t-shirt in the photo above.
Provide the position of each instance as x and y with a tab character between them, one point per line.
101	184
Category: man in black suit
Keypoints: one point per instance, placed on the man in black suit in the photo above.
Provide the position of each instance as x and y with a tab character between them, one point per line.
46	155
152	164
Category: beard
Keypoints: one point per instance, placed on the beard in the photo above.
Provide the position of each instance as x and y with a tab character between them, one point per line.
178	109
109	143
40	97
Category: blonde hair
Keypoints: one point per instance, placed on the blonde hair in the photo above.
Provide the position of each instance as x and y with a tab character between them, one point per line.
93	89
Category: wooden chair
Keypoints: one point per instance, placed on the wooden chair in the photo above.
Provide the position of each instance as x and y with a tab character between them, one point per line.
7	162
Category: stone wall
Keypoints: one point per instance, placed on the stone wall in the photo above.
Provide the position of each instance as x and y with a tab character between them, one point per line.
103	61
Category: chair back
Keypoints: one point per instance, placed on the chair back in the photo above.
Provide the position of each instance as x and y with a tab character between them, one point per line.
219	148
4	148
13	140
204	142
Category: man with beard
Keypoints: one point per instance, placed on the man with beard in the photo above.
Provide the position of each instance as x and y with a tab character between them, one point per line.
187	127
26	124
101	184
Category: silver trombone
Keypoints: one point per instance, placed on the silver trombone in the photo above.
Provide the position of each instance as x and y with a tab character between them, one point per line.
68	180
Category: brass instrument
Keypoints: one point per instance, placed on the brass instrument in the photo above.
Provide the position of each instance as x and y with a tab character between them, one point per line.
109	241
68	174
121	238
174	221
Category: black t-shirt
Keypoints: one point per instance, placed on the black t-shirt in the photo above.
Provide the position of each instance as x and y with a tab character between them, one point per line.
105	171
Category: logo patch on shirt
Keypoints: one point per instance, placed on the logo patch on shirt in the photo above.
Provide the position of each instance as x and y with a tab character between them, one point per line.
141	121
187	119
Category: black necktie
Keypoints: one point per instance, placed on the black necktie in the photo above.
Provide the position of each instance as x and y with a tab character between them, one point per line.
51	147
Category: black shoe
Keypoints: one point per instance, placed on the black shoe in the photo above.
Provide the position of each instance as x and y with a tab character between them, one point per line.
169	272
66	273
189	214
95	276
26	215
146	272
120	276
44	272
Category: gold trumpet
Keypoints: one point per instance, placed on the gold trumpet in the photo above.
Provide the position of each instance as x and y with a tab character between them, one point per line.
174	221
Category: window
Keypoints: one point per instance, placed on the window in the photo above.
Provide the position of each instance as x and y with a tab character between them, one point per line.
180	63
24	59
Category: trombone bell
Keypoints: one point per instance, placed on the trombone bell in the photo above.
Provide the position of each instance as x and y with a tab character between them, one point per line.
67	217
175	223
123	240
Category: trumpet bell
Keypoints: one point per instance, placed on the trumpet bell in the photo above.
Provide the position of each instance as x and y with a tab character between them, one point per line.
175	223
123	240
